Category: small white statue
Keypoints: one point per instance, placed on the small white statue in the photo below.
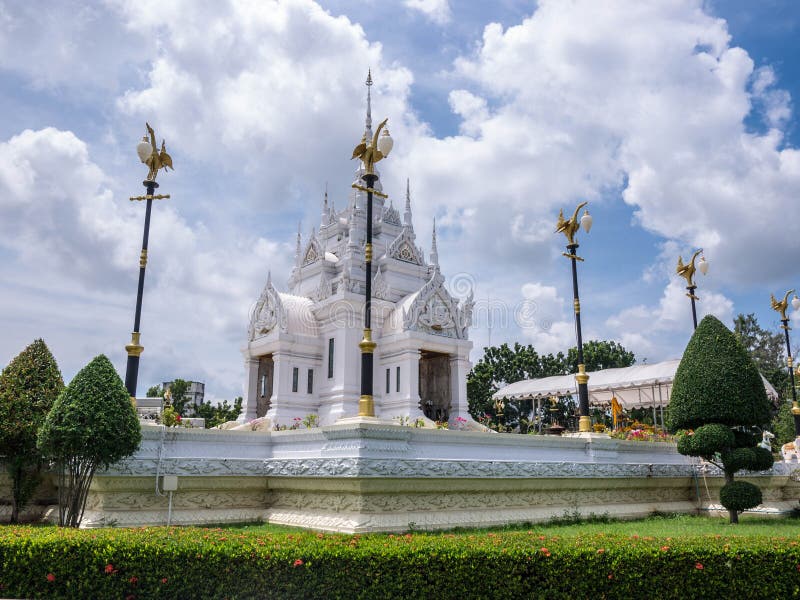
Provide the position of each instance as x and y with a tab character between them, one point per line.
789	451
765	442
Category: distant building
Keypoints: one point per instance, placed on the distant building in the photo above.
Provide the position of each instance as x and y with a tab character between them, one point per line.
195	393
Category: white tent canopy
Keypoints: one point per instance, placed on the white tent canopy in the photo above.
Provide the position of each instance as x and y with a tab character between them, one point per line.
638	386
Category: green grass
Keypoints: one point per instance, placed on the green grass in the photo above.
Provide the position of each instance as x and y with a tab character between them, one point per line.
659	526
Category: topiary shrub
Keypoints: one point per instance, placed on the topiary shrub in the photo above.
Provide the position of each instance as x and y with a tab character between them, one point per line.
719	392
740	495
29	386
92	424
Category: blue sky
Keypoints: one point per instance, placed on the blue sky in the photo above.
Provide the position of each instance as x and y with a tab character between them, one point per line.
677	121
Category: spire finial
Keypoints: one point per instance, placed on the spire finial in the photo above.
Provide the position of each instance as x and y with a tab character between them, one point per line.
326	215
368	128
407	214
297	245
269	278
434	249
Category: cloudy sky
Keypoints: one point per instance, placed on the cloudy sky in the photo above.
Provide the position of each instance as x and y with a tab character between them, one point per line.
676	120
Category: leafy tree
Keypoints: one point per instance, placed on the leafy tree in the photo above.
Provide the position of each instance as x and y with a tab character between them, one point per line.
783	425
767	349
155	391
179	389
29	386
217	414
503	364
599	355
719	393
92	424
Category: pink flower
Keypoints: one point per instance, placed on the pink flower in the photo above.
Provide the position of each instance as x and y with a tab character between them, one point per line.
109	568
163	580
664	548
698	566
51	578
298	562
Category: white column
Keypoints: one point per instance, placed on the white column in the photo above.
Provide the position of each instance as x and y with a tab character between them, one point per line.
411	364
459	368
281	383
251	392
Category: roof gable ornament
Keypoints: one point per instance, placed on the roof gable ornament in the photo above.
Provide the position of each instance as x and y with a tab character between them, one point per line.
404	249
391	215
268	313
380	287
324	289
436	312
313	251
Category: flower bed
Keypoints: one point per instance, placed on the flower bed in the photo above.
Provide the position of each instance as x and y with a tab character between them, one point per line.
202	563
640	432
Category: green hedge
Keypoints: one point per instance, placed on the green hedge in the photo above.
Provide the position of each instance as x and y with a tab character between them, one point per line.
199	563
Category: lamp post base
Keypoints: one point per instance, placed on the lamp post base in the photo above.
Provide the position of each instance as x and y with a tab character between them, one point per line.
585	424
366	406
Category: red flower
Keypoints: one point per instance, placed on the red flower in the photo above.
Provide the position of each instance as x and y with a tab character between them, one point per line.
134	580
698	566
298	562
601	550
178	418
109	568
51	578
664	548
163	580
611	576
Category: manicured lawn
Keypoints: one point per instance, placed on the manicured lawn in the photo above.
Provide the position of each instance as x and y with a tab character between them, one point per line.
660	557
657	526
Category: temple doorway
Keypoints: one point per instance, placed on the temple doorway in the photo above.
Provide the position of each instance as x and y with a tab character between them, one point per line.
266	369
434	385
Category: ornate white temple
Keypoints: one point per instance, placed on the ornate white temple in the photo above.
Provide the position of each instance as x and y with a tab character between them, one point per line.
302	353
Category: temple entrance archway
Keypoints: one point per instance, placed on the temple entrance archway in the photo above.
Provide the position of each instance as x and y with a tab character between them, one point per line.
266	369
434	385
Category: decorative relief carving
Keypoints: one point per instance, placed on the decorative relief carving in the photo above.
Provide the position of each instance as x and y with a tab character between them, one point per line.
403	248
182	466
268	313
313	251
394	467
372	467
180	500
380	287
406	502
391	215
435	311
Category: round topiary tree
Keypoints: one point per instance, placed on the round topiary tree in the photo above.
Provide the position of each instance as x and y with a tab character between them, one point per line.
29	386
718	396
92	424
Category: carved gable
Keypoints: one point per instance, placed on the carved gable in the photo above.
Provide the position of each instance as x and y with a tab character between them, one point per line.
403	248
268	313
313	251
436	312
391	216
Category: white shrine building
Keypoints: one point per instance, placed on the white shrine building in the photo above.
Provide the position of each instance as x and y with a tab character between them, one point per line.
302	354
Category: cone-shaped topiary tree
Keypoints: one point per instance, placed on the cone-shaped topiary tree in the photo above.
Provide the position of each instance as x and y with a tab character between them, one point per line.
719	394
29	386
92	424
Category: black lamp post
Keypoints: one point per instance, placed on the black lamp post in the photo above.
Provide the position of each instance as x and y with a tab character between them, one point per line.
155	160
687	272
781	308
370	152
569	228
